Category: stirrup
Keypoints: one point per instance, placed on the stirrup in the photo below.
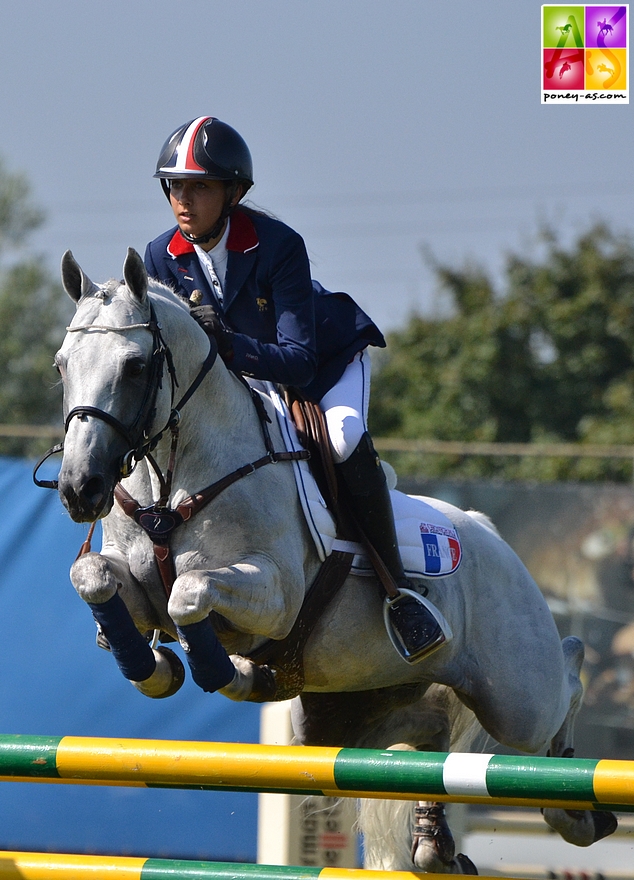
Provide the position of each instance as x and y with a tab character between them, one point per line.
415	657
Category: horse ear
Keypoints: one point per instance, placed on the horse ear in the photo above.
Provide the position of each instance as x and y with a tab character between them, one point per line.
76	283
135	274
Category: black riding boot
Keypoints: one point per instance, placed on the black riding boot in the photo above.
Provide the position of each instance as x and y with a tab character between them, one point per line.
417	629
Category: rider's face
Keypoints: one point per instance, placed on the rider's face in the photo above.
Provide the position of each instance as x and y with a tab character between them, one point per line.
197	204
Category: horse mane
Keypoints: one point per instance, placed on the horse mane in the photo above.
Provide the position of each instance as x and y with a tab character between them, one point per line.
164	291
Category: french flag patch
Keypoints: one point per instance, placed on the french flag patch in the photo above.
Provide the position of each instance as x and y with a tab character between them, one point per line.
442	549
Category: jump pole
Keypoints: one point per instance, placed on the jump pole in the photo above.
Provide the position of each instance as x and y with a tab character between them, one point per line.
49	866
333	772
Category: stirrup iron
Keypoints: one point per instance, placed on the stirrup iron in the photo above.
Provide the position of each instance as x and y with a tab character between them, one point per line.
416	656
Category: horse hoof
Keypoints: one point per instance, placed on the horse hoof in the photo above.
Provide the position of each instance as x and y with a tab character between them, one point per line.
264	685
251	683
604	824
167	678
465	865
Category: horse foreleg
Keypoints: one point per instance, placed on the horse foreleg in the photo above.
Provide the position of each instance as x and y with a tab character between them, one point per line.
155	672
579	827
250	595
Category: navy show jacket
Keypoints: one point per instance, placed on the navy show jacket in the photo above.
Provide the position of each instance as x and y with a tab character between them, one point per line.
288	329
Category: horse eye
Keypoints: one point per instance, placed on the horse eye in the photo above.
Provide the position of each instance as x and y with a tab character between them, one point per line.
135	367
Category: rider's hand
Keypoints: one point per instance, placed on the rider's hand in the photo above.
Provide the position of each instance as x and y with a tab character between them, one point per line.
210	321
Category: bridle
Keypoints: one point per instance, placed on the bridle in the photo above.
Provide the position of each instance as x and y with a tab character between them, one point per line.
138	439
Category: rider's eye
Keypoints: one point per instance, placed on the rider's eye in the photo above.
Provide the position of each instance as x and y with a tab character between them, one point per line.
135	367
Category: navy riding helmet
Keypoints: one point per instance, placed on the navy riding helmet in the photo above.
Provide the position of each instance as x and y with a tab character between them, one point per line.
205	147
210	149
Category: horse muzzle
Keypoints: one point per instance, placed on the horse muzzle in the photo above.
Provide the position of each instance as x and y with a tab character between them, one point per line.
88	502
87	497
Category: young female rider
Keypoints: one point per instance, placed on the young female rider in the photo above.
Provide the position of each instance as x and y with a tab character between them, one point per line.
272	322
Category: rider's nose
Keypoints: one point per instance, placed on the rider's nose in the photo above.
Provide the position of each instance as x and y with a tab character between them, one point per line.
182	194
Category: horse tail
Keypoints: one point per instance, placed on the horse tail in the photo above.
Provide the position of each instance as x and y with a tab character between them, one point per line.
484	520
386	825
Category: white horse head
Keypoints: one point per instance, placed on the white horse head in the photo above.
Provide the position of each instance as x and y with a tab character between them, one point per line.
114	366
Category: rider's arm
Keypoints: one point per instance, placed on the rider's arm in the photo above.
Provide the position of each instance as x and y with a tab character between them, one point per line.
287	289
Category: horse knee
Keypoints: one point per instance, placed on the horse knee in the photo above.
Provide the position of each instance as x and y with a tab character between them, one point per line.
189	601
93	578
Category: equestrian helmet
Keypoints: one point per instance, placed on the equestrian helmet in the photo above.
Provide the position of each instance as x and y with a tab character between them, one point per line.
208	148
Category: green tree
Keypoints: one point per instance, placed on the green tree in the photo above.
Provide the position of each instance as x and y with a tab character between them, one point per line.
549	359
33	314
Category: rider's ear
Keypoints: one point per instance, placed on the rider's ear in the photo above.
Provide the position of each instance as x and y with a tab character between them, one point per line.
135	275
76	283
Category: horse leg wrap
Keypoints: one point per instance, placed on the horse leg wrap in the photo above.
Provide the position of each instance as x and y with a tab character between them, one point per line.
134	656
430	824
208	661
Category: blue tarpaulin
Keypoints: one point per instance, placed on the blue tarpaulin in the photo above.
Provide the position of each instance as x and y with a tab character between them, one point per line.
54	681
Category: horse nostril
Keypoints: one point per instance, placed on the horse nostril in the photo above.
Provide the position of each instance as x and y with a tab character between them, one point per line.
93	491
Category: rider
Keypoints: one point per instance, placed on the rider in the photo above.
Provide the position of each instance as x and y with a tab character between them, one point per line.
272	322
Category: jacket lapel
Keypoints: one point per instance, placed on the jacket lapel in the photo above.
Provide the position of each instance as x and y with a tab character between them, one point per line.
184	265
242	247
189	275
238	268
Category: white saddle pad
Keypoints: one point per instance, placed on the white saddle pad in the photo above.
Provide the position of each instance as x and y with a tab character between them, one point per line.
428	541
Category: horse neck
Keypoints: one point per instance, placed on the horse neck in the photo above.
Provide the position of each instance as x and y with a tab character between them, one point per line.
221	422
219	428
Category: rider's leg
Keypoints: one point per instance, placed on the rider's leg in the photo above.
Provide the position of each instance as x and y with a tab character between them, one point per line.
345	409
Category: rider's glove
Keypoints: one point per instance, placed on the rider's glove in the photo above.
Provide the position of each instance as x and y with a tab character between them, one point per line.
210	321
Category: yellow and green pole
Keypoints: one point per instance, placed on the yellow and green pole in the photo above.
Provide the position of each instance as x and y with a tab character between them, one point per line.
467	778
49	866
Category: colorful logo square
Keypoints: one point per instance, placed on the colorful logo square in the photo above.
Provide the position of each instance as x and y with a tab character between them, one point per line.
563	26
585	54
606	27
564	69
606	69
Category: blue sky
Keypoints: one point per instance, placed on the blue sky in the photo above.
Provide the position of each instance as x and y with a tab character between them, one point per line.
376	129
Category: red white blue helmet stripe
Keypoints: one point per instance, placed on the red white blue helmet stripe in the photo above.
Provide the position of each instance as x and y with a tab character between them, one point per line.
182	159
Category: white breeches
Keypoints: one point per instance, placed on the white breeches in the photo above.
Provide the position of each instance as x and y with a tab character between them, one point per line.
345	407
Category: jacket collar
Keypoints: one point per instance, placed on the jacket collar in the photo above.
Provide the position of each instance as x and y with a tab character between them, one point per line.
242	237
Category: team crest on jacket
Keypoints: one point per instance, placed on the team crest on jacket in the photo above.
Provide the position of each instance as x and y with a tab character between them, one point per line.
442	549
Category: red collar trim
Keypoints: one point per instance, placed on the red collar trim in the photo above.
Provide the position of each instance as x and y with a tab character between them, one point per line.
179	246
242	237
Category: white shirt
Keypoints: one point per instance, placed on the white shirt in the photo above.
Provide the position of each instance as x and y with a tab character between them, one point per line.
214	263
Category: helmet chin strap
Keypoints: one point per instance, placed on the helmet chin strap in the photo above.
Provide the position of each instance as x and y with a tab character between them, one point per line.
214	232
216	229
